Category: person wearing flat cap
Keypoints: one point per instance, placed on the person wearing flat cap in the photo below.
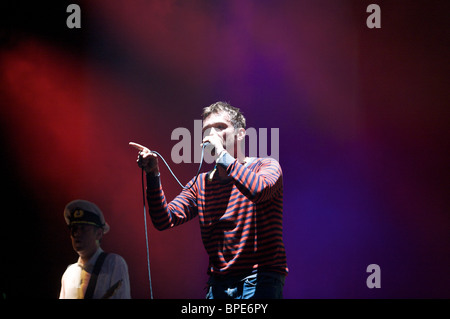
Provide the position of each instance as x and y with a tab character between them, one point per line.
96	274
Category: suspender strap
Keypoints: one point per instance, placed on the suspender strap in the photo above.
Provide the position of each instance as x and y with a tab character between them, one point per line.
93	281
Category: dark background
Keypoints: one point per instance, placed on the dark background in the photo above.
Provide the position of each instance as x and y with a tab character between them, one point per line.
363	116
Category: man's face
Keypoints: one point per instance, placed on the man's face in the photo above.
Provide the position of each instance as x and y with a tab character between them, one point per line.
219	124
85	237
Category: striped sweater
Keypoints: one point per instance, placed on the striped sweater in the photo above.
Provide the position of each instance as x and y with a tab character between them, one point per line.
240	218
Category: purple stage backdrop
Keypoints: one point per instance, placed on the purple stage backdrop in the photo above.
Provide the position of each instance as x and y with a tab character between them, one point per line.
363	135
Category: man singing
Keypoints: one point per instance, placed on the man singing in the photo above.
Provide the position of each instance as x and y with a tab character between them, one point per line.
240	209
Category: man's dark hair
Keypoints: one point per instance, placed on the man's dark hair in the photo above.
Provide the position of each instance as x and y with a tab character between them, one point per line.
236	117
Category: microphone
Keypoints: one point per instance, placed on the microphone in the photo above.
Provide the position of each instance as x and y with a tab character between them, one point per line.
209	147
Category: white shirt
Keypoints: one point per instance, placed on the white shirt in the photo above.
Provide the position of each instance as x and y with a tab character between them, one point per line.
76	278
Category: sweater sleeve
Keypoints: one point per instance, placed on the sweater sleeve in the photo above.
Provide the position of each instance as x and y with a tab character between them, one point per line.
167	215
259	185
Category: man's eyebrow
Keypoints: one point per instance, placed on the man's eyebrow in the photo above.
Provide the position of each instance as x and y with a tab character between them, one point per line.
213	124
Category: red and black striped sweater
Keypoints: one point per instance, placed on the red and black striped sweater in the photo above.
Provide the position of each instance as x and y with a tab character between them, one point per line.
240	218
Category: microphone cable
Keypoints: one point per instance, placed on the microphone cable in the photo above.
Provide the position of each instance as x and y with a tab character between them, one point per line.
146	236
198	171
145	212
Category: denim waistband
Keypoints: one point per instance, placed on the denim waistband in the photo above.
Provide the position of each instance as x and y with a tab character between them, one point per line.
226	279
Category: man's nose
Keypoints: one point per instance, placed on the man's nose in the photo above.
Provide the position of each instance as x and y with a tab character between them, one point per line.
212	131
75	231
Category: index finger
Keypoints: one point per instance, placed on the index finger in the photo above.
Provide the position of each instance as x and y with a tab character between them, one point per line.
138	146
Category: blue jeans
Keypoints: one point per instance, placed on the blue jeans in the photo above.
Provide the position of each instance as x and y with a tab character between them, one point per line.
264	285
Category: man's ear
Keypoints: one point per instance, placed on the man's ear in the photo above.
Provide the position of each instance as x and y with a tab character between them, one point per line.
241	134
99	233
